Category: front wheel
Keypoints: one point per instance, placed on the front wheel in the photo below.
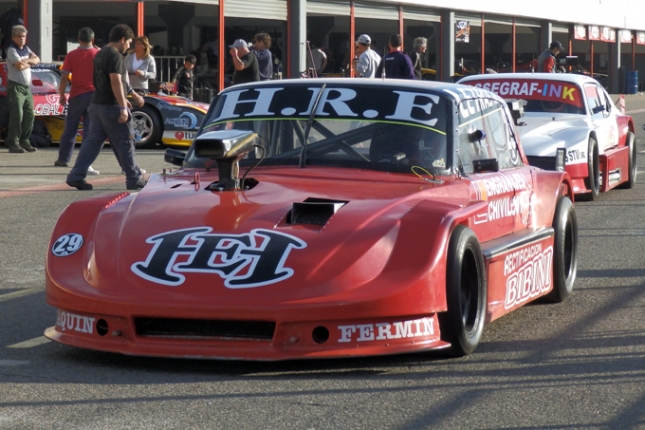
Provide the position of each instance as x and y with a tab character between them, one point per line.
565	250
148	127
593	168
462	325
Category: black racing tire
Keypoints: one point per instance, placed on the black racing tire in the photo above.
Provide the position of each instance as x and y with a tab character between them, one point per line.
565	250
463	324
633	162
148	127
592	182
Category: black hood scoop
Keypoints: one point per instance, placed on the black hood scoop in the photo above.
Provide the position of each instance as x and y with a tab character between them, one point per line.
314	211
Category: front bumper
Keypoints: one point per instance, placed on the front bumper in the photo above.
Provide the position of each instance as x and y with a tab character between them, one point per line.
290	340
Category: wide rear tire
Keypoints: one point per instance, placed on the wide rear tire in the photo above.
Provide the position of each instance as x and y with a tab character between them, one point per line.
633	162
462	325
565	250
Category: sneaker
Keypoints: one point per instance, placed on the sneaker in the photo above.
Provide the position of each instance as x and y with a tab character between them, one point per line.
136	186
60	164
80	185
92	171
28	148
17	150
143	171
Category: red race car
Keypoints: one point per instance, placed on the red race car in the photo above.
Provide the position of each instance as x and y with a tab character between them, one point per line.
319	218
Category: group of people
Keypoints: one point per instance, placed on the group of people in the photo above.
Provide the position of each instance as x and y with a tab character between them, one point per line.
252	62
395	65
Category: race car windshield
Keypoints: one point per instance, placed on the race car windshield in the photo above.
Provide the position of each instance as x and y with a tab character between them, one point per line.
385	129
540	96
44	81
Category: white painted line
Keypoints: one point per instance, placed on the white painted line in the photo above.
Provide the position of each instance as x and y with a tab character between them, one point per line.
31	343
631	112
13	362
20	293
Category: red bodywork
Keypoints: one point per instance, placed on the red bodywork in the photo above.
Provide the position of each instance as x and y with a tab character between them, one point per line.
381	260
309	260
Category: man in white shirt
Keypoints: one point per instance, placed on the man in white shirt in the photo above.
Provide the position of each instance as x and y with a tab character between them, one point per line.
319	58
368	59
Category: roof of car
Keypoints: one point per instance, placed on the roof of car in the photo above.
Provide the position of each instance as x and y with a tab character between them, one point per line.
559	77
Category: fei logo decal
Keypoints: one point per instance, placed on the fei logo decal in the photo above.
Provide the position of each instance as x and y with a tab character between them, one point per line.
246	260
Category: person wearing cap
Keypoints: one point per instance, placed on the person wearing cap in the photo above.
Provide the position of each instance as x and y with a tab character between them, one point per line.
396	64
418	49
246	64
368	59
546	61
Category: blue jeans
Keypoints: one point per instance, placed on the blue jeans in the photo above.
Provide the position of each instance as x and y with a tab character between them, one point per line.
105	124
76	107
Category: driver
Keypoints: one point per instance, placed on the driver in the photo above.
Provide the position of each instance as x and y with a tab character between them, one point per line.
410	145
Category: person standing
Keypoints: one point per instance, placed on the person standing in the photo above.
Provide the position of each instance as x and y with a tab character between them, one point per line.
80	64
418	50
396	64
184	77
368	59
547	60
261	45
110	113
317	59
141	65
246	64
21	103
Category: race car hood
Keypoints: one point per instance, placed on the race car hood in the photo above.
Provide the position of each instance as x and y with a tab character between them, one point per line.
177	240
541	135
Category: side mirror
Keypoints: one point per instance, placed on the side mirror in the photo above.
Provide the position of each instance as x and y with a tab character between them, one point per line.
598	109
517	110
477	135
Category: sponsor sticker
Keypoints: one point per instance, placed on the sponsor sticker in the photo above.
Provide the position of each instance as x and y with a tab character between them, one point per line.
386	331
67	321
247	260
67	244
529	272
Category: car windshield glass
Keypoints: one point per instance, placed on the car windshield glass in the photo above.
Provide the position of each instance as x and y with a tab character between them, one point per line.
44	81
354	126
540	95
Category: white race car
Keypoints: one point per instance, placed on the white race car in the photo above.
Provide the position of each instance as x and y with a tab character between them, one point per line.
573	112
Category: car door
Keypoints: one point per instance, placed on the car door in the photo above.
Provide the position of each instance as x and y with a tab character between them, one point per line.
601	115
484	135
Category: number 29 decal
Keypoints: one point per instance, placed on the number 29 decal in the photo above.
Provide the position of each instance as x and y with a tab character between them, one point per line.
67	244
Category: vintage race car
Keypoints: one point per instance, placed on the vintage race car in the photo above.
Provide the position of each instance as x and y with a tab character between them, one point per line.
573	112
319	218
170	120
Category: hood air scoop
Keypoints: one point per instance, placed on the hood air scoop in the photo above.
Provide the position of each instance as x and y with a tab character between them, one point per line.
314	211
227	148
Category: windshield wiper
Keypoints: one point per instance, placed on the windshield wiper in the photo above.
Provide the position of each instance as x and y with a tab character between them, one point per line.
310	121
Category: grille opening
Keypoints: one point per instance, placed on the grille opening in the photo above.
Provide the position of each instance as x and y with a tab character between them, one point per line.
102	327
193	328
320	334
